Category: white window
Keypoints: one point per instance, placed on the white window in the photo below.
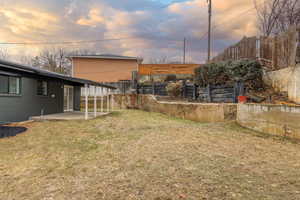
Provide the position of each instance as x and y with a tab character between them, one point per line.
9	85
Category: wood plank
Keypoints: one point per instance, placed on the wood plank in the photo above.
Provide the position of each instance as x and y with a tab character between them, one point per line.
157	69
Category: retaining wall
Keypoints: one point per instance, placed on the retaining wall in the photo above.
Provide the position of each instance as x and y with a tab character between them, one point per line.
273	119
285	80
279	120
200	112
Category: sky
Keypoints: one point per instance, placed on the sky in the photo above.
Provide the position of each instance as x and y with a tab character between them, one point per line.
152	29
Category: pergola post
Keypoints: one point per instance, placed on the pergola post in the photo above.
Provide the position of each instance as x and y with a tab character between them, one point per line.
112	101
86	102
107	102
102	99
95	101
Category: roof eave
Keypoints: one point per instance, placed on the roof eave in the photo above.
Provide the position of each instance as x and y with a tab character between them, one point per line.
107	58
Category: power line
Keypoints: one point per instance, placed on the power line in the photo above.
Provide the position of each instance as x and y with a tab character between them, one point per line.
215	26
80	42
114	39
63	42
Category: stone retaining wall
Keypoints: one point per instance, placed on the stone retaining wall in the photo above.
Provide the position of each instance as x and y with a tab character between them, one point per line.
273	119
201	112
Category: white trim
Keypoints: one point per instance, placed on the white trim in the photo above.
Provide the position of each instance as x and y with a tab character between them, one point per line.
102	99
107	100
86	102
107	57
95	101
112	102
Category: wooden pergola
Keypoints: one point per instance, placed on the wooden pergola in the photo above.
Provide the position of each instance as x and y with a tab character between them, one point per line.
106	94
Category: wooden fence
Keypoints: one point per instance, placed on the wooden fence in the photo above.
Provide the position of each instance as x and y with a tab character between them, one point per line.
274	52
246	48
210	94
159	69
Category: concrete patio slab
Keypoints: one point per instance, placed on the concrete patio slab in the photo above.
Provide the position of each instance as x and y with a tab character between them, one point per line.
67	116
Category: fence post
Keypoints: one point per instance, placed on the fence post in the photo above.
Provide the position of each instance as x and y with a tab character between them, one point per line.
294	42
235	92
257	48
209	93
298	46
195	92
137	88
184	90
241	89
274	53
153	88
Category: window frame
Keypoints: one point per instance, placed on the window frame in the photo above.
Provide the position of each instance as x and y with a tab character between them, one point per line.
42	84
19	82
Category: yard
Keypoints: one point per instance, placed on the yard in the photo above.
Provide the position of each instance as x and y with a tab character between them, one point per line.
140	155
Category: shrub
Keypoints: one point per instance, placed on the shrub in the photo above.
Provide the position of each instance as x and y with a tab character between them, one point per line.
226	73
174	89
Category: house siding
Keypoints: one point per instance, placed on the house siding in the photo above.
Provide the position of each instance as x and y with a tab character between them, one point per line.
28	104
104	70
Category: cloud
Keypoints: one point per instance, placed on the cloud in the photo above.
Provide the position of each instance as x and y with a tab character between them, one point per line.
93	18
147	28
22	21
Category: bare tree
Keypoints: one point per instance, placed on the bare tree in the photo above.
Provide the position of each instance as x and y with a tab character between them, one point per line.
79	52
25	59
290	16
57	59
163	60
268	13
4	54
53	59
275	16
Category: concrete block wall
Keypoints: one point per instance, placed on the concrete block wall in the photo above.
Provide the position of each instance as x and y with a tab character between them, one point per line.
272	119
285	80
201	112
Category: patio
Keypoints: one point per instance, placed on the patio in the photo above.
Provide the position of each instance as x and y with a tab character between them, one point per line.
67	116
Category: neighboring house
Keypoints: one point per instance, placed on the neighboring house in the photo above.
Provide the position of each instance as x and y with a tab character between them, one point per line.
27	91
104	68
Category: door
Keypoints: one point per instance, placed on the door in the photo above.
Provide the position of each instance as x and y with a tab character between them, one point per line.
68	98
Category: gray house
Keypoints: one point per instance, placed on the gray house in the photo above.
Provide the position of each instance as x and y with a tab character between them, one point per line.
27	91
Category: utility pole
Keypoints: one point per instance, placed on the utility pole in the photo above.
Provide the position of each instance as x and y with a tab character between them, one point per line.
184	50
209	29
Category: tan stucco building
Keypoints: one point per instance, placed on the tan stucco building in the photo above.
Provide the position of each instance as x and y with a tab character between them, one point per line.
104	68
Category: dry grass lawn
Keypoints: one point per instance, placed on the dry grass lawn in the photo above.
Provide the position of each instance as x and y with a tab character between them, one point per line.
140	155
